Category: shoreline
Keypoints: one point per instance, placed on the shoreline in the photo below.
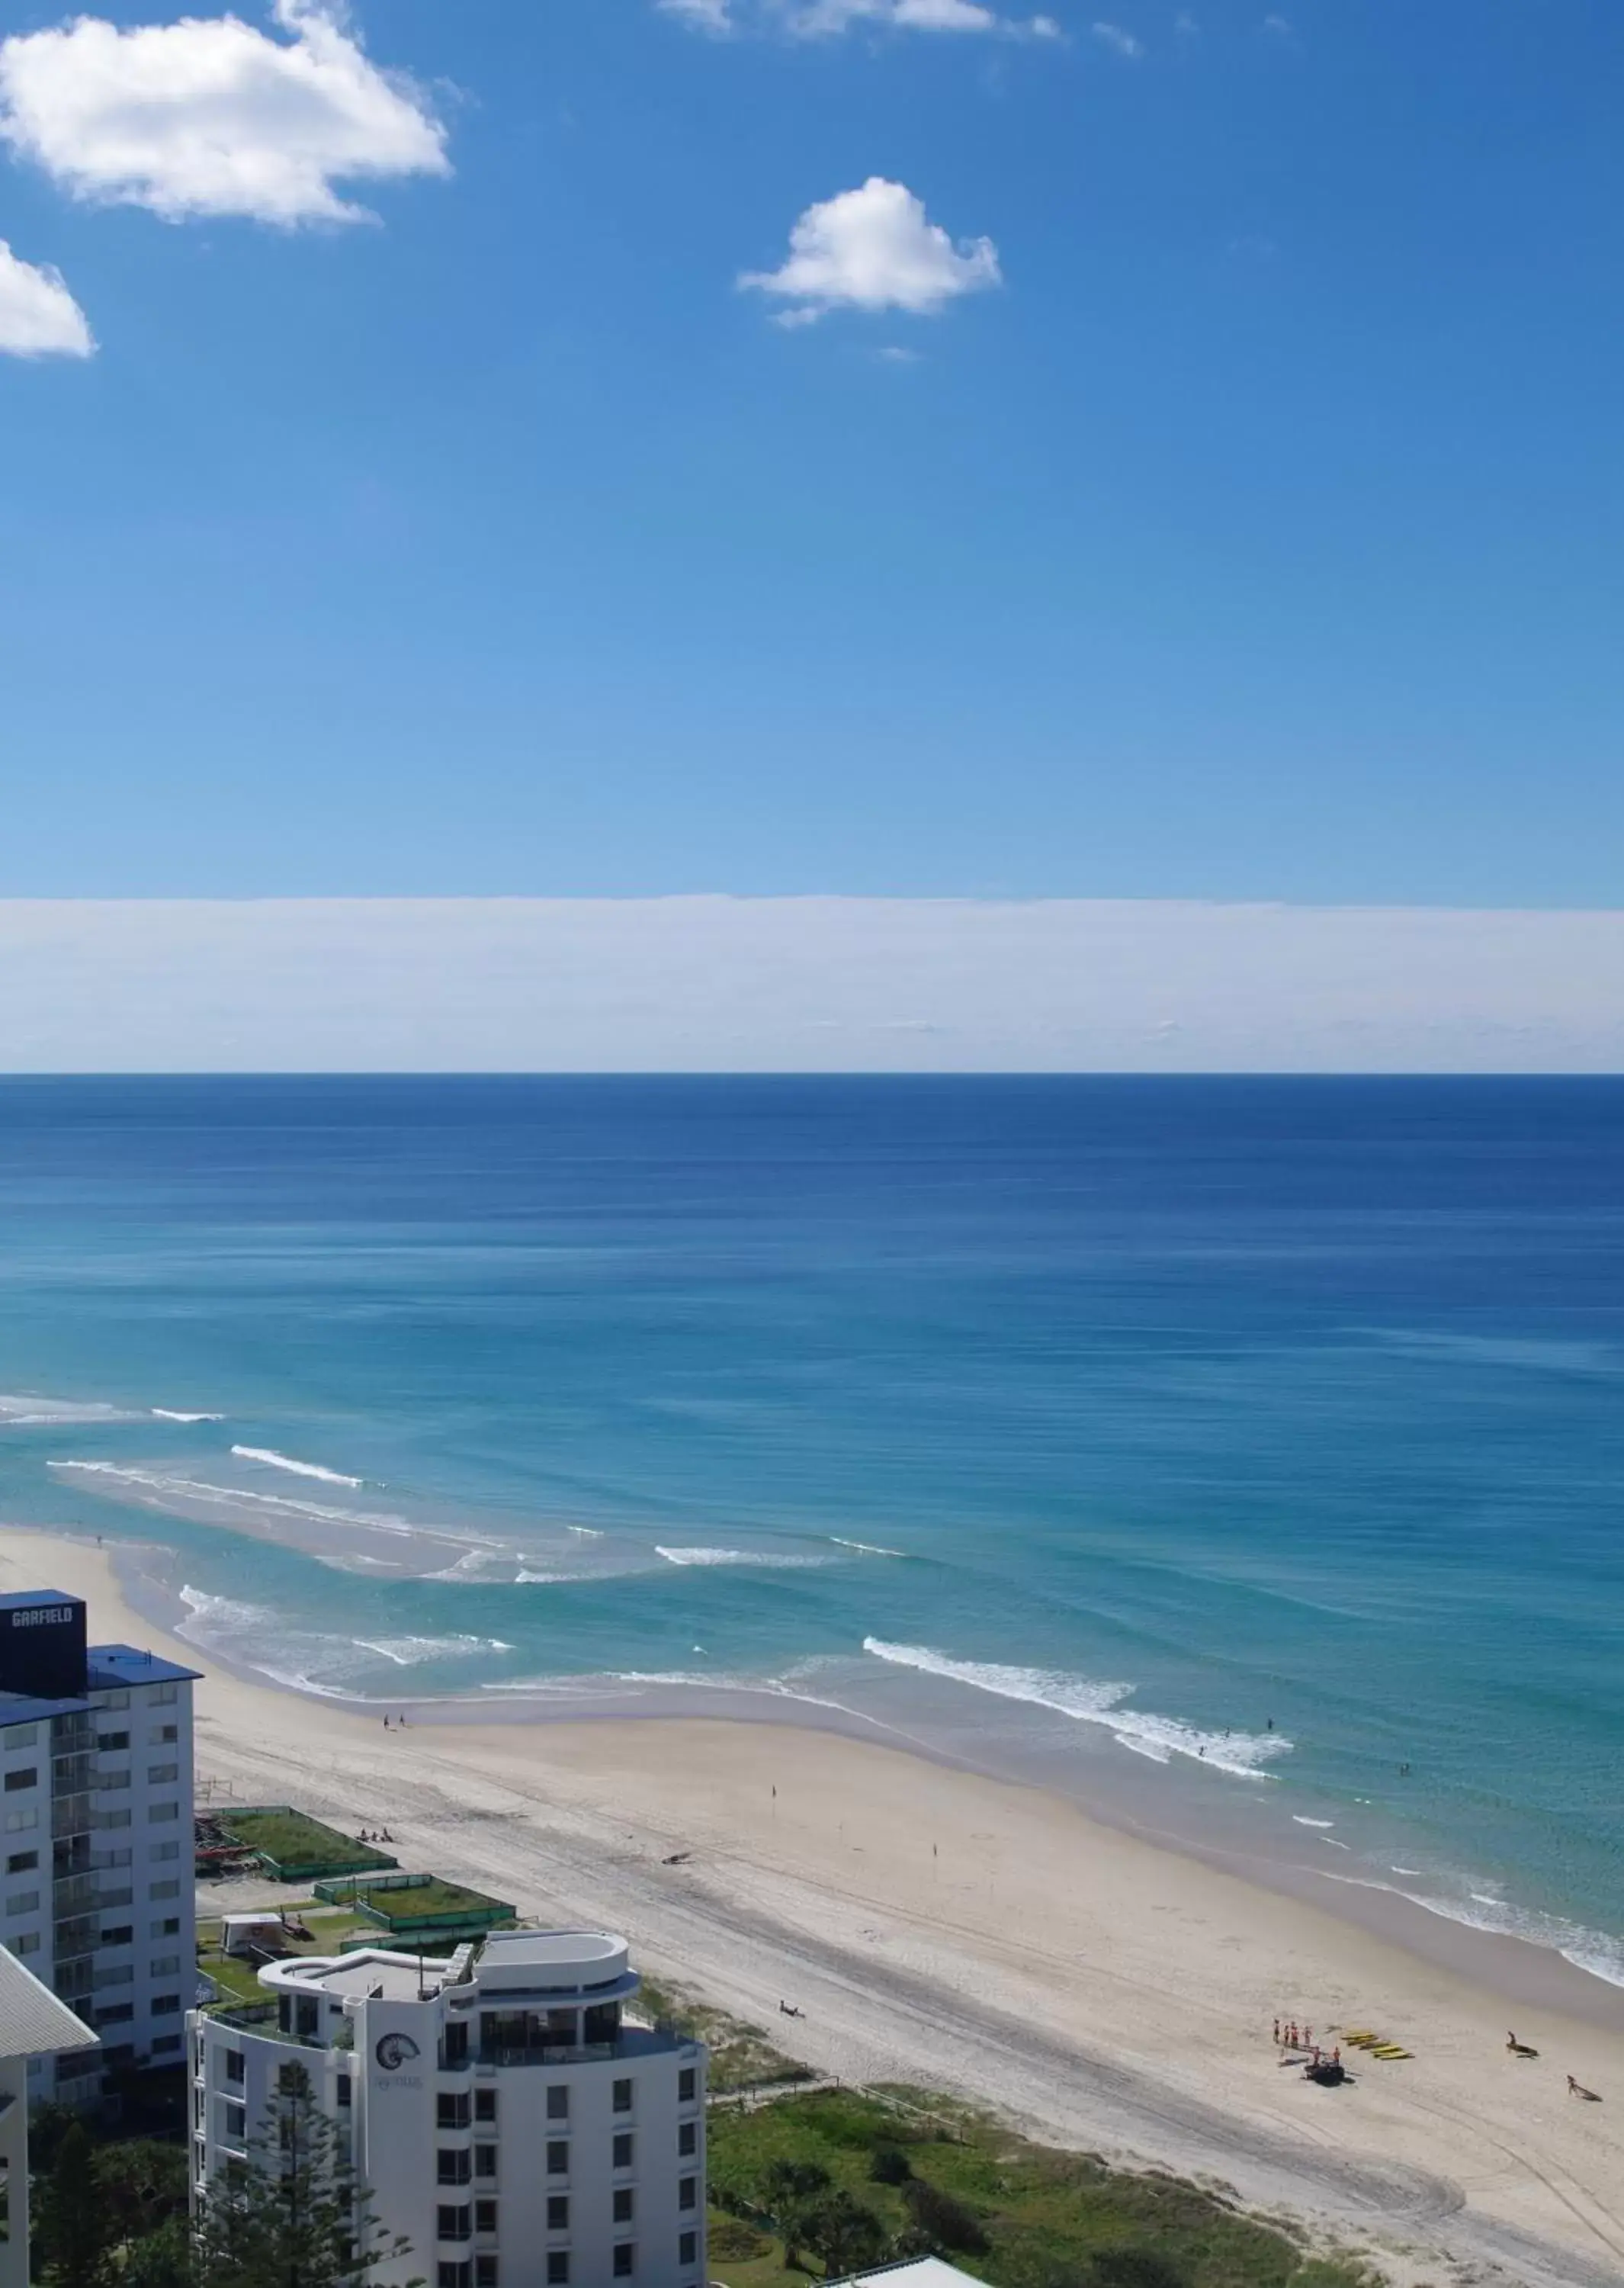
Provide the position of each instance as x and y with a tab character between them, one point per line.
1524	1973
982	1935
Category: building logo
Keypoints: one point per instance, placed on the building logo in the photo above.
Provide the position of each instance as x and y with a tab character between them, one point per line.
392	2051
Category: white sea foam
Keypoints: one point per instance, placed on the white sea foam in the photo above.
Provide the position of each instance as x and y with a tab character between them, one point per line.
167	1414
773	1560
410	1652
1302	1821
275	1461
867	1548
587	1532
536	1580
1241	1754
1597	1951
24	1413
166	1489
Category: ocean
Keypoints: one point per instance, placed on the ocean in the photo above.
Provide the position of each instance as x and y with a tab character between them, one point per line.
1244	1455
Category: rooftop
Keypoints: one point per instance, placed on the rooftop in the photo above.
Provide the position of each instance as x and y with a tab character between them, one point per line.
32	2020
402	1977
111	1668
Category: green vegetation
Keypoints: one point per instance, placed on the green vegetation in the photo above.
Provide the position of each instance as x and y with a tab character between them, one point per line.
237	1979
104	2214
300	1847
741	2057
834	2180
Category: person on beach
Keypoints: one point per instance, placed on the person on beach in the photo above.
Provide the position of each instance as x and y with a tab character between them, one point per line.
1277	2033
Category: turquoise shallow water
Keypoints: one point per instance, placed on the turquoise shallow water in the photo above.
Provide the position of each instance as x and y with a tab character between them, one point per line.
1250	1438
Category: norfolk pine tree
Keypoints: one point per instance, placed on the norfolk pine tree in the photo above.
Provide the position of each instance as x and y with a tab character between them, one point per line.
293	2216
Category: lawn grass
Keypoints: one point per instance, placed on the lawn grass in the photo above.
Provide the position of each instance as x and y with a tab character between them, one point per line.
434	1896
291	1838
1044	2218
741	2057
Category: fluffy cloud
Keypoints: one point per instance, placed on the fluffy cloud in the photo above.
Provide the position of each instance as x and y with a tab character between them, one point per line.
38	317
874	248
209	116
704	15
814	19
1120	43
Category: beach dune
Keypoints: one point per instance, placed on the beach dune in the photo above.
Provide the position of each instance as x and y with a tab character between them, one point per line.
991	1940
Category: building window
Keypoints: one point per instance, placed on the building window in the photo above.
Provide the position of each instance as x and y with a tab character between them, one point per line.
456	2042
29	1943
485	2216
166	2006
454	2166
165	1851
108	1779
622	2097
454	2275
164	1966
687	2083
163	1736
111	1818
166	2043
161	1695
234	2068
161	1775
170	1888
484	2272
21	1862
110	1743
622	2149
236	2123
557	2211
21	1735
687	2139
485	2105
121	1974
109	1700
18	1822
161	1811
451	2110
452	2223
169	1927
485	2160
22	1903
119	1935
688	2248
625	2259
687	2193
27	1777
343	2091
623	2205
558	2268
558	2158
558	2102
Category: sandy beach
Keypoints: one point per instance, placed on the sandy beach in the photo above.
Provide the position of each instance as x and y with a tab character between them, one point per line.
983	1938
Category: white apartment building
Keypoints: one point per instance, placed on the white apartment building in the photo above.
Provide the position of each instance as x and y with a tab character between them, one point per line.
501	2112
96	1888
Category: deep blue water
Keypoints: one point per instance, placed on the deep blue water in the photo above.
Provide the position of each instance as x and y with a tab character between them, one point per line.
1164	1408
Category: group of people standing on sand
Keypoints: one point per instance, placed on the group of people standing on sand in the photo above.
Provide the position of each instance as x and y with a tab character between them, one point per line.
1290	2036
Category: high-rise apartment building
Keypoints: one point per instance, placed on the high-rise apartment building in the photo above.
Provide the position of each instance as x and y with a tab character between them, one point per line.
501	2112
96	1889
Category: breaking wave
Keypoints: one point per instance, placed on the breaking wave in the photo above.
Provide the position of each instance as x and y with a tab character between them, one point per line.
1241	1754
864	1548
773	1561
409	1652
20	1413
275	1461
198	1489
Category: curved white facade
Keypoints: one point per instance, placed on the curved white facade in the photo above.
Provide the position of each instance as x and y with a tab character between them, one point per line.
501	2113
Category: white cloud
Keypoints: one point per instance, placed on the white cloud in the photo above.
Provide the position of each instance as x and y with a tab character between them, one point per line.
1120	43
815	19
704	15
814	983
38	317
1278	25
874	248
209	116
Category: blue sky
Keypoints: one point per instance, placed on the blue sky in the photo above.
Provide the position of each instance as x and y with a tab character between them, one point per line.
1246	525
